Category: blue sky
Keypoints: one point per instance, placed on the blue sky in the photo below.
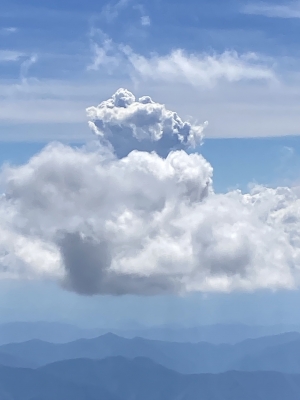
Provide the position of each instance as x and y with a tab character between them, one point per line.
48	48
31	301
237	67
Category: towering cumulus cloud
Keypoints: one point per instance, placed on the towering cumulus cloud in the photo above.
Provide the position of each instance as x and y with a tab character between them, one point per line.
127	124
116	220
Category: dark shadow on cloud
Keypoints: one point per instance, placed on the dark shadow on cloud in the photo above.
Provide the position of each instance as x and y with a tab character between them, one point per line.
87	264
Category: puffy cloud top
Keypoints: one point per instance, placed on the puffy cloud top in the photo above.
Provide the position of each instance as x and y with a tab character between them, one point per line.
127	124
142	224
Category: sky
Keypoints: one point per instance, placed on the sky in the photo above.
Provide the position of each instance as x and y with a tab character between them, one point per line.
234	63
229	70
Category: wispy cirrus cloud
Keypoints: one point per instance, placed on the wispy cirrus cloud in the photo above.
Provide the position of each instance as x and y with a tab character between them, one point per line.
231	86
26	65
103	55
198	69
111	11
284	10
8	30
201	69
145	20
10	55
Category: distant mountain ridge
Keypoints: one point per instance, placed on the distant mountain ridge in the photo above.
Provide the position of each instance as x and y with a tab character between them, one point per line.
118	378
56	332
185	358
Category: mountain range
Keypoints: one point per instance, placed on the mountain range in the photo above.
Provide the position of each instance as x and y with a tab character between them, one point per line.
275	353
57	332
118	378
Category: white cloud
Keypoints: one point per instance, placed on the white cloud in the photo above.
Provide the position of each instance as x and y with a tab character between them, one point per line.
128	124
26	65
238	109
143	224
200	69
10	55
242	95
8	30
111	11
104	55
284	10
145	20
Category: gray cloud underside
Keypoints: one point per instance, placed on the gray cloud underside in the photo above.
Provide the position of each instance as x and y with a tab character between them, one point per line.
142	224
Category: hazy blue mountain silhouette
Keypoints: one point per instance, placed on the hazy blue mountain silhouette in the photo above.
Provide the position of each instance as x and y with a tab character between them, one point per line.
57	332
216	334
14	361
118	378
54	332
182	357
30	384
283	358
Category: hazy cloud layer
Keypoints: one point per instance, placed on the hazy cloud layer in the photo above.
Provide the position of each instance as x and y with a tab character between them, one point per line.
142	224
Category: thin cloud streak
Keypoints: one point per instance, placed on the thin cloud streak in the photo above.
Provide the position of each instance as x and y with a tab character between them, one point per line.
9	30
202	69
10	56
288	10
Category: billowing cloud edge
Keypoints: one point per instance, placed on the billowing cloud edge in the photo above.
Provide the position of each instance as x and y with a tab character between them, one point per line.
145	222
